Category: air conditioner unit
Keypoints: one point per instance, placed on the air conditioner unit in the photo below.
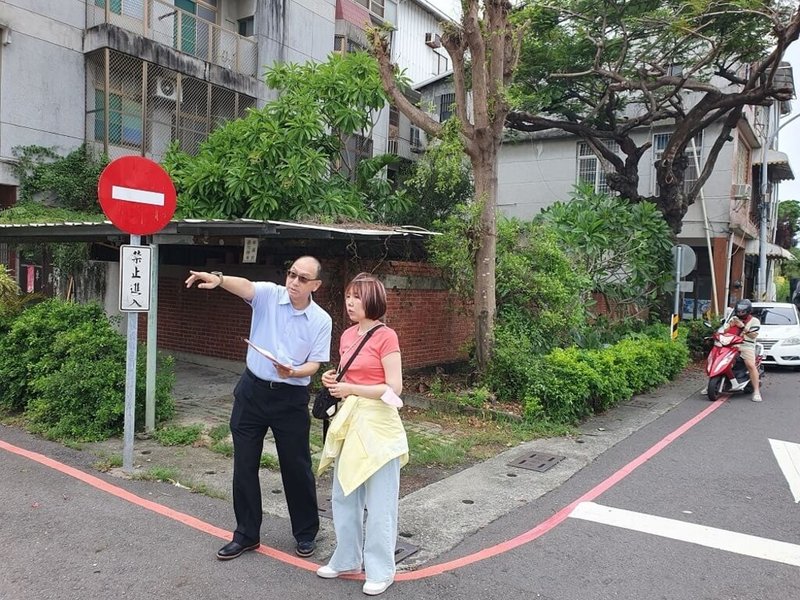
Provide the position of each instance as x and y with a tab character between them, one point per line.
433	40
742	190
167	88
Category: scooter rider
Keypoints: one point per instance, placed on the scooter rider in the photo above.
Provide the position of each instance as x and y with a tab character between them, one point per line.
749	325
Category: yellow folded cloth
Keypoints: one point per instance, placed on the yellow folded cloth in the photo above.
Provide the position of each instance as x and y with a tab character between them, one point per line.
364	435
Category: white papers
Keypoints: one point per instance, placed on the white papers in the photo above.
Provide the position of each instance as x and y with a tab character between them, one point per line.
267	354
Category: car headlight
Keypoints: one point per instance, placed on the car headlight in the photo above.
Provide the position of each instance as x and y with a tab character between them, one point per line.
792	341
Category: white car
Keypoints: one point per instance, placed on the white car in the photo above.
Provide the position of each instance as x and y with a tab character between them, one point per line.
779	333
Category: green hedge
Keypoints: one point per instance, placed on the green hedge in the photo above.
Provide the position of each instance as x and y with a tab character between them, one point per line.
567	385
63	365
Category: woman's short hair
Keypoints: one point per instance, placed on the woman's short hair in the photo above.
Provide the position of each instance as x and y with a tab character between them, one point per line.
371	292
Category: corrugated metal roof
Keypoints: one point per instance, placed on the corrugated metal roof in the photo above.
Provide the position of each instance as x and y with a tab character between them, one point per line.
251	227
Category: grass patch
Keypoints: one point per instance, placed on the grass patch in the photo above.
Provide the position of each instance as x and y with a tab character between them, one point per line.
223	447
470	438
157	474
268	461
178	435
219	432
426	450
106	463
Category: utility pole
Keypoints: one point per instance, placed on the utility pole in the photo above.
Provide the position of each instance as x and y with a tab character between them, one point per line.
769	137
771	129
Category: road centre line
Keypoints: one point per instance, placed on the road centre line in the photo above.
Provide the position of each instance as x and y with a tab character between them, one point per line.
711	537
528	536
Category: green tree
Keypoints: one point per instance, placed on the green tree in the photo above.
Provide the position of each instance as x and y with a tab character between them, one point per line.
483	49
68	181
603	71
788	224
623	247
539	289
280	161
437	183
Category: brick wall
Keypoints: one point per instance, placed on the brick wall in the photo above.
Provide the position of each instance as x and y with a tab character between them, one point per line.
432	326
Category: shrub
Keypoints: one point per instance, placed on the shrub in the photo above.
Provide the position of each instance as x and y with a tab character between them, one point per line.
26	350
566	385
65	367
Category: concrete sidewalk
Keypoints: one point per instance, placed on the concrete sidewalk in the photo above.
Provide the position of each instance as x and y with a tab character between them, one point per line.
435	518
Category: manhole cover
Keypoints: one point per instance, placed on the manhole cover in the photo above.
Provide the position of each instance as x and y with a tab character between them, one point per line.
640	404
403	550
537	461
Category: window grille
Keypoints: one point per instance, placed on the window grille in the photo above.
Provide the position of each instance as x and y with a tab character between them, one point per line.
590	167
446	102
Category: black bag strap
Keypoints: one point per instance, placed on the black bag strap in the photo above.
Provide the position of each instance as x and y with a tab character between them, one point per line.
367	335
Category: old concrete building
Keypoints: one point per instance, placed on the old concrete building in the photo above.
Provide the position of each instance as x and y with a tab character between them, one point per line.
132	76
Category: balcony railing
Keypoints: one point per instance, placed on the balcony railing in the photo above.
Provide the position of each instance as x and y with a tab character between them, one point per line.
179	29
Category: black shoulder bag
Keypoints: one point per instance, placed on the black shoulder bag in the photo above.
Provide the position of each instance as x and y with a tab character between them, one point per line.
325	405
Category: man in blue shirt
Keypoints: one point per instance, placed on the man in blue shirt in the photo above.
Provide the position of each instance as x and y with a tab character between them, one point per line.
273	393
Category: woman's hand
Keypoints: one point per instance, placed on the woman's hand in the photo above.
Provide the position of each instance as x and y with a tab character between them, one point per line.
329	378
340	389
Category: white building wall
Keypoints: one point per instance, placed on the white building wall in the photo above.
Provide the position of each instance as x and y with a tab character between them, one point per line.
41	77
532	175
420	62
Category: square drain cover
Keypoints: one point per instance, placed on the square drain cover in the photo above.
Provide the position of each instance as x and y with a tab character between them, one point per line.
641	404
403	550
537	462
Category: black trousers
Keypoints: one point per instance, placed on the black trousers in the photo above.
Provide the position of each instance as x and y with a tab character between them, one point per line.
258	406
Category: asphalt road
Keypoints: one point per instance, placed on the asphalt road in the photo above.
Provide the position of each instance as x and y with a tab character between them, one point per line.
693	505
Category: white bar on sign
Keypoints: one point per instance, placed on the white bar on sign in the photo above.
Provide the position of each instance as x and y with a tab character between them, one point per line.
125	194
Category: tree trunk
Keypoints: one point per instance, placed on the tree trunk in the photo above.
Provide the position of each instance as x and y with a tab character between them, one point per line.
484	167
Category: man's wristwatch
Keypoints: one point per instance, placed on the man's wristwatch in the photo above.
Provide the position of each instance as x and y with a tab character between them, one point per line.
220	275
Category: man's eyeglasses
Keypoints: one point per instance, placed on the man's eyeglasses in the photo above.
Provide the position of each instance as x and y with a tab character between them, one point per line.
292	274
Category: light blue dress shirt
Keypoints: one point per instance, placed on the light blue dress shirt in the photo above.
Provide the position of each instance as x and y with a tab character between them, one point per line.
293	336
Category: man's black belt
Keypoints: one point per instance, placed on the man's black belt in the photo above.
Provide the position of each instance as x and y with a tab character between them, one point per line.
274	385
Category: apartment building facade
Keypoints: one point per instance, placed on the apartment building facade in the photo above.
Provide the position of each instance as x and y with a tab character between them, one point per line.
133	76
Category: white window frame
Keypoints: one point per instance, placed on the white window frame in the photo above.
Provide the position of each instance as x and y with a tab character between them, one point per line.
589	167
660	141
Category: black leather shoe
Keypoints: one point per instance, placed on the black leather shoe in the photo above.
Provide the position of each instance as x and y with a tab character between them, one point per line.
305	549
234	549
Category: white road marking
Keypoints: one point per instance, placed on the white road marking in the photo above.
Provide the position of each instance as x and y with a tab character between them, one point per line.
788	456
126	194
730	541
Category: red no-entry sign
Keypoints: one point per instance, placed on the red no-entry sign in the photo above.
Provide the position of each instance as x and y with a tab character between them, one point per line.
137	195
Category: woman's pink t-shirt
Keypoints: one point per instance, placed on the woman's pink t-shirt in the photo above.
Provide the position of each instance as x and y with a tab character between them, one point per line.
367	368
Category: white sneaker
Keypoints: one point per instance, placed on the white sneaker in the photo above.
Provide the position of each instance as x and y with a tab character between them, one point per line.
326	572
756	398
373	588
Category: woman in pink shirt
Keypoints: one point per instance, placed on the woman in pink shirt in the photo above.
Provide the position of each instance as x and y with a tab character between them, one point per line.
366	442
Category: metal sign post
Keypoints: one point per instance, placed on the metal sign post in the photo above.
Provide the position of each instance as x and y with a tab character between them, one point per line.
134	297
138	196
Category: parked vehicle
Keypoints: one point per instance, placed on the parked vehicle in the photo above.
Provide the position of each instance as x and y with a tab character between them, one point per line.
779	333
725	367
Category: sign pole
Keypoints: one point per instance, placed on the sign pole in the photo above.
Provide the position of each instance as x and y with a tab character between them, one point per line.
152	347
130	382
138	196
678	259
